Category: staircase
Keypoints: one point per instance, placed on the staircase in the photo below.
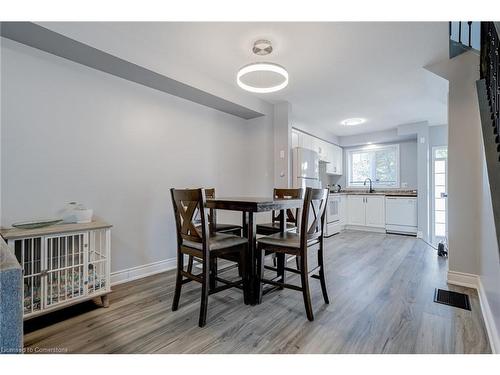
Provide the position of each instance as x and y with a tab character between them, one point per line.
464	36
488	91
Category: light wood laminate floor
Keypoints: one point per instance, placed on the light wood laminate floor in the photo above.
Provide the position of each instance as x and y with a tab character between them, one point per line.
381	291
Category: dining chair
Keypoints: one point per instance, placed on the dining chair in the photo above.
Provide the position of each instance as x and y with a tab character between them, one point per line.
217	227
309	236
200	242
291	215
273	227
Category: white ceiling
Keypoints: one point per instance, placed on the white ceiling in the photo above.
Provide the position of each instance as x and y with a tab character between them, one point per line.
337	70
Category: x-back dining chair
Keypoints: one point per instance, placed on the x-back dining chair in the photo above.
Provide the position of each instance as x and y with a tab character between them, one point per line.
196	240
291	215
217	227
310	236
273	227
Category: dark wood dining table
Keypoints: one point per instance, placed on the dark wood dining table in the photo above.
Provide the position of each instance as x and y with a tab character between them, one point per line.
249	207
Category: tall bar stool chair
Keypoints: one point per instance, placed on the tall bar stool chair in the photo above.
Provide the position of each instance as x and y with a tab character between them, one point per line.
273	227
308	238
200	242
217	227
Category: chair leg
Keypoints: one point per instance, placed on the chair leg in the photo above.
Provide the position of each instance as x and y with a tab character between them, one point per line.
213	272
241	267
243	274
178	282
322	275
190	264
281	267
297	262
305	286
261	254
204	292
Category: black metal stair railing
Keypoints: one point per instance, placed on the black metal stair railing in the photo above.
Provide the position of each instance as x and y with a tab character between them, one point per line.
489	70
456	33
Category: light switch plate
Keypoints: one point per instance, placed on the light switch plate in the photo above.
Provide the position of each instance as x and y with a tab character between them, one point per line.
282	154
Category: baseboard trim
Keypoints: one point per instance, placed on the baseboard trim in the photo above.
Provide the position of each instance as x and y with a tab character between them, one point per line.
467	280
365	229
134	273
489	320
474	281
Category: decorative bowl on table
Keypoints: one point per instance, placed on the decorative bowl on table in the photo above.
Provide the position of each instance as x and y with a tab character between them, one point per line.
33	224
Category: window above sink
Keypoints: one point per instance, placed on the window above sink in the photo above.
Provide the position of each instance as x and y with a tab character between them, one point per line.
379	163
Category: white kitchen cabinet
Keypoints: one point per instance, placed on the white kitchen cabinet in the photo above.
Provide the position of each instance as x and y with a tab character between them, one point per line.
356	213
306	141
375	211
366	210
329	153
339	159
295	139
335	159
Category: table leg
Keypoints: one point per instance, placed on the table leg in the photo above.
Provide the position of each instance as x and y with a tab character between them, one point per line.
282	257
251	269
282	220
248	285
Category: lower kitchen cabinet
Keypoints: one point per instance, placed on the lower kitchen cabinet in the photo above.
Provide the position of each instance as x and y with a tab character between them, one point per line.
366	211
356	210
375	211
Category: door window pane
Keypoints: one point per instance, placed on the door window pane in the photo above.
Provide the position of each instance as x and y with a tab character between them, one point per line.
440	166
440	217
440	204
438	190
440	179
441	153
440	230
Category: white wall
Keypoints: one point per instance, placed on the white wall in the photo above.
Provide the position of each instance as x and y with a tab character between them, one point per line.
74	133
464	161
438	135
489	260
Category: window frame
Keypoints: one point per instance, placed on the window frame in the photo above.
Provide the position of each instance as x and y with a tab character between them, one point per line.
373	148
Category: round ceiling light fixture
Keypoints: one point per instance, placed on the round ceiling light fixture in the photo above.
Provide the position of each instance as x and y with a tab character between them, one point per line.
262	77
353	121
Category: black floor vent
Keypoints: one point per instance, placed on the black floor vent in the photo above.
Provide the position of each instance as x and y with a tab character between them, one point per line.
447	297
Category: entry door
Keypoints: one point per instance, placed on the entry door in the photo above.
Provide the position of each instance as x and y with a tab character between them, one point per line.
440	193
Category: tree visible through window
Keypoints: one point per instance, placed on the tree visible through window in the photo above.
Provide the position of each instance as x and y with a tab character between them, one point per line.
381	164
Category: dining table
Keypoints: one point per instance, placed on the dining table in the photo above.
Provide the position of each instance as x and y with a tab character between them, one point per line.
249	207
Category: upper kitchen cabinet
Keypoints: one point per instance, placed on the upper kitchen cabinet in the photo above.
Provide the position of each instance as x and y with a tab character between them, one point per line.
335	160
329	153
295	139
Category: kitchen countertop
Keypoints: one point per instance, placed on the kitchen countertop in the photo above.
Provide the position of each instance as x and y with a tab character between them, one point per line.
389	193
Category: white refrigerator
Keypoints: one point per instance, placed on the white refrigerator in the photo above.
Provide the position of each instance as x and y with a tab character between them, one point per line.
305	167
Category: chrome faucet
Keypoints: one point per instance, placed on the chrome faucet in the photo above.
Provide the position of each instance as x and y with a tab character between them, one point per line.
371	189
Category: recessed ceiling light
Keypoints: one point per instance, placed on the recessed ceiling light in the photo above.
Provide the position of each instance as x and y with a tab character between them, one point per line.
262	77
353	121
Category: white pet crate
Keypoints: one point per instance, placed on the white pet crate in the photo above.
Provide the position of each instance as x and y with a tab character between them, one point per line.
62	264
